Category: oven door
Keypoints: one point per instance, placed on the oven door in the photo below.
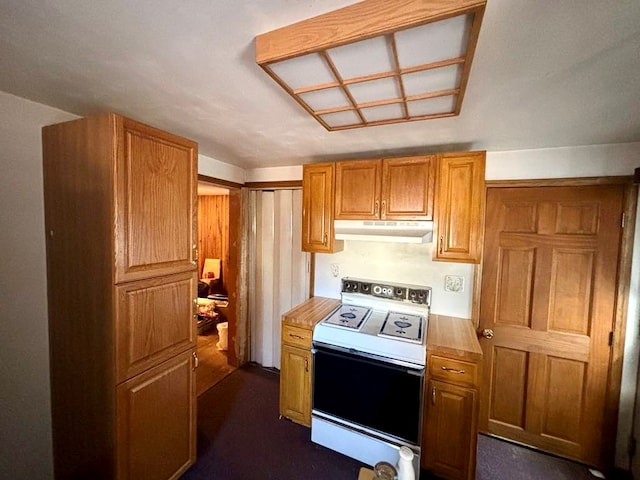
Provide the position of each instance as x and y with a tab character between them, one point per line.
368	392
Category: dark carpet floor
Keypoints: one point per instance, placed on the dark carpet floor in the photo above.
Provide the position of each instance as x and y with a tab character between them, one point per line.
500	460
240	437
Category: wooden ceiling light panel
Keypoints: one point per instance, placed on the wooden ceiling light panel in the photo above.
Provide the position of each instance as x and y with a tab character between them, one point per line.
376	62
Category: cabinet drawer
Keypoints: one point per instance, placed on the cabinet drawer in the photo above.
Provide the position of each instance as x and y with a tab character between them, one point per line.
300	337
453	371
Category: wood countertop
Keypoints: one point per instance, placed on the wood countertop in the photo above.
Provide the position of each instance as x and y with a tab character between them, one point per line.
446	335
453	336
310	312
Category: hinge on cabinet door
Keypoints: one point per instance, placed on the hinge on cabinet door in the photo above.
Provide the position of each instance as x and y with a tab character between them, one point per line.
622	223
610	338
631	446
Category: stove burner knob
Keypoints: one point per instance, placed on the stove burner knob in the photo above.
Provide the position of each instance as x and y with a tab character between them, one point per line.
377	289
349	287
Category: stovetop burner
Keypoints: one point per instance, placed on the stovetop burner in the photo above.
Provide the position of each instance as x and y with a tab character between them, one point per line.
384	319
348	316
403	326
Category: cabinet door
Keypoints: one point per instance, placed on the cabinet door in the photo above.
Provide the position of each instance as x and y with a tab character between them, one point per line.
317	209
358	190
460	207
450	431
295	384
154	321
156	177
156	421
407	188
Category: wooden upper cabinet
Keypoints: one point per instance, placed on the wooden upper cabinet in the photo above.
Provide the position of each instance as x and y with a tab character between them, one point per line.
358	189
317	209
460	207
408	188
156	202
385	189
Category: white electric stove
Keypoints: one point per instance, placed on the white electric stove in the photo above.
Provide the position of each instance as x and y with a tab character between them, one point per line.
388	320
368	371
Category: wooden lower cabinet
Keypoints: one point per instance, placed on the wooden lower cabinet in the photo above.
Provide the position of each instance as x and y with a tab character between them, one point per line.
295	384
296	361
156	425
449	430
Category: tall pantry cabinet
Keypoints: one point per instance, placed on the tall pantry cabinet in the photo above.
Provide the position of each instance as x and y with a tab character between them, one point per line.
120	218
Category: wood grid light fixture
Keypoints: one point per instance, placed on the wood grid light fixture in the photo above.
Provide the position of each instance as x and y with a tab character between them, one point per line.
376	62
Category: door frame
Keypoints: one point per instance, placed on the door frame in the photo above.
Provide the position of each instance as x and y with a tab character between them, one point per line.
238	352
614	381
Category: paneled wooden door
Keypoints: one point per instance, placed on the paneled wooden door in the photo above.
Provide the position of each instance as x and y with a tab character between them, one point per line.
548	298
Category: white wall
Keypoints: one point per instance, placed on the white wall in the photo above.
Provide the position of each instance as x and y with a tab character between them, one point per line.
25	416
273	174
565	162
220	170
396	262
630	363
562	162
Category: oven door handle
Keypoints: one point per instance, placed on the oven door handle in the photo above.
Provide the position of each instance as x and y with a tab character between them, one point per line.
364	357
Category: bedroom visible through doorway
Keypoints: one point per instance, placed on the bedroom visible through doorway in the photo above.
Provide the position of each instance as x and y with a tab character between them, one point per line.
214	304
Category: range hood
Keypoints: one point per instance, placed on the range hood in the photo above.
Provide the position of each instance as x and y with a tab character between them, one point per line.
405	231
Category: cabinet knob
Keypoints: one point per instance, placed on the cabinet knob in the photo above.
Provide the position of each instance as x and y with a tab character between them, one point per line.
384	209
195	360
487	333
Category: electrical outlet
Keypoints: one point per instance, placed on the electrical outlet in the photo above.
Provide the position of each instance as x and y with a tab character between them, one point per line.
335	270
453	283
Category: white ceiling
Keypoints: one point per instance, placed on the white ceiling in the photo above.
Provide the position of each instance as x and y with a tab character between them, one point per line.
546	73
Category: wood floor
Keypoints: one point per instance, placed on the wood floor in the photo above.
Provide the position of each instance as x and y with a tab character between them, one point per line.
212	365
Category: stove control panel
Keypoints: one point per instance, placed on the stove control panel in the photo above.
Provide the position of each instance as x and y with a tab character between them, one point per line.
398	292
422	296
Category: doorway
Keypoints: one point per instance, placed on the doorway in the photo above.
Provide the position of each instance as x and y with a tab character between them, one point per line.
280	271
216	286
547	314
